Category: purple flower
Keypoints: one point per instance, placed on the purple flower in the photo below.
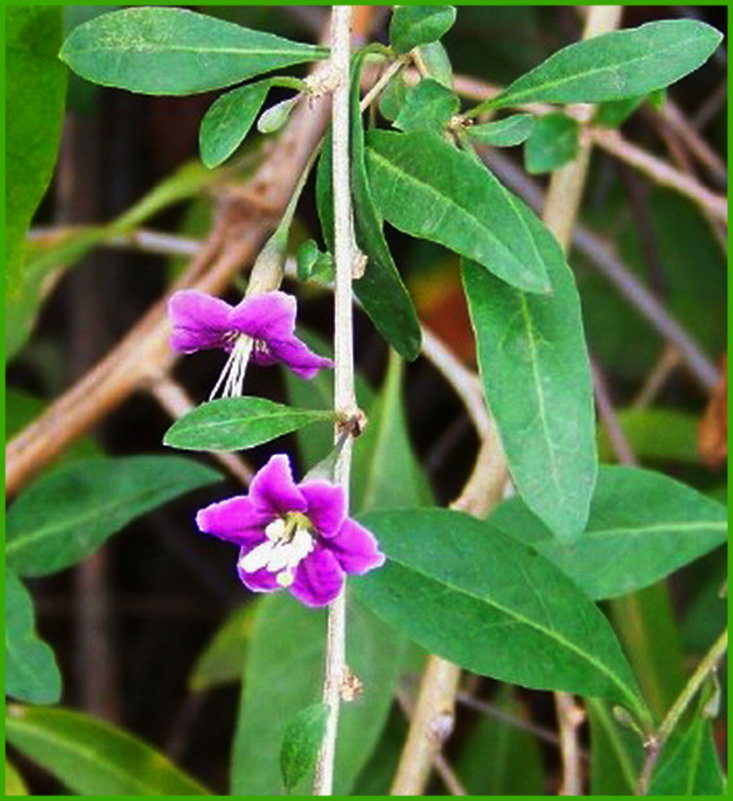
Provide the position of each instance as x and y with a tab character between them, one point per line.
259	327
292	535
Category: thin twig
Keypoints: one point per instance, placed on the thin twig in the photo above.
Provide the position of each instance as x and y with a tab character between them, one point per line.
616	435
542	733
708	664
344	395
667	362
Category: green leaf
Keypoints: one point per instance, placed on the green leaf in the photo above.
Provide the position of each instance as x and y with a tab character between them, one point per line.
689	764
654	434
428	105
68	513
385	471
615	65
312	265
34	108
276	116
616	752
381	290
642	526
616	112
552	143
425	187
221	660
436	62
93	758
229	120
508	132
464	590
393	96
31	673
301	743
498	758
536	376
233	424
170	51
14	783
412	26
646	624
284	672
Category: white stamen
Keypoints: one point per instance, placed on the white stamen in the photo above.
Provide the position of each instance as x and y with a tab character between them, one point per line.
232	376
275	531
257	558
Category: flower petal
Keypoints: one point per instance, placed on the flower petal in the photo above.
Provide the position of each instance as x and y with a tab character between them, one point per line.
236	520
355	548
199	321
318	578
270	315
273	490
259	581
326	505
298	357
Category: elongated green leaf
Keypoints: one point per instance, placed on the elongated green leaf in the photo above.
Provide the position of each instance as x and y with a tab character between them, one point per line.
31	673
301	743
284	672
534	367
381	289
437	63
642	526
503	133
14	784
553	142
232	424
464	590
655	434
170	51
646	624
689	764
94	758
616	752
428	105
616	65
67	514
34	104
222	660
498	758
425	187
385	472
229	120
411	26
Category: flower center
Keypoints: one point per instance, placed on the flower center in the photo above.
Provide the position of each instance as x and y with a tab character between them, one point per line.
231	379
289	541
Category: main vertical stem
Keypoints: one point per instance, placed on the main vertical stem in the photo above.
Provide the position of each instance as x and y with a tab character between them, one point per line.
344	397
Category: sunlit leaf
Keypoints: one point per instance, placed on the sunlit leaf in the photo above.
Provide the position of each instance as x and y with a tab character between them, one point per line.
171	51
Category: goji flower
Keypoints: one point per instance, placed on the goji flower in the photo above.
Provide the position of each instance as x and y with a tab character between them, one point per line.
294	536
259	328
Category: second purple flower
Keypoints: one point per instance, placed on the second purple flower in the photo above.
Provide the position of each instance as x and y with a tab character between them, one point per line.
260	328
